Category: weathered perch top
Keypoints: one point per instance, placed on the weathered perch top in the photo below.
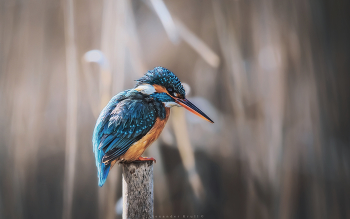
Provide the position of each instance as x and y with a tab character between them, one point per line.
138	190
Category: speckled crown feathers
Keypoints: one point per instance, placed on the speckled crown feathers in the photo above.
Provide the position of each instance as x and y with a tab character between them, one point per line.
164	77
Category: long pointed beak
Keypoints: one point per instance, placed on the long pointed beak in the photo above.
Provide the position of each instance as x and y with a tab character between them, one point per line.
192	108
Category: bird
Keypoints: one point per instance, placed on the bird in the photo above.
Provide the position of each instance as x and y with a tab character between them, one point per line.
133	119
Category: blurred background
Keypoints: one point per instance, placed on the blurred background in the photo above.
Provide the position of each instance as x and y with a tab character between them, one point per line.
272	74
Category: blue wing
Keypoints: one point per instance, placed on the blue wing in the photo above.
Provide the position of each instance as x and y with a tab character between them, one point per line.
125	120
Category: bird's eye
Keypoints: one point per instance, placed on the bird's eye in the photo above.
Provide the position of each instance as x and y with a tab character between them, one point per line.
171	92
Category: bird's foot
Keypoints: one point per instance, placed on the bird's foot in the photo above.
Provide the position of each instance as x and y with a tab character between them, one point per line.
146	158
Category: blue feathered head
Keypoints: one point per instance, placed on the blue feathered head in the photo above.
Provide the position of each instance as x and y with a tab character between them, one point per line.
165	78
162	85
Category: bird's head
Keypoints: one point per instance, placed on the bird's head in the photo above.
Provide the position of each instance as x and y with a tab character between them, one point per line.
163	85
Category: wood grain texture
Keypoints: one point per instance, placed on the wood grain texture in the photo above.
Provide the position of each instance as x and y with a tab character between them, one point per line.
138	190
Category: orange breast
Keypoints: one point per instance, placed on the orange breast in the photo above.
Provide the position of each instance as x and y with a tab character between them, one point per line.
137	149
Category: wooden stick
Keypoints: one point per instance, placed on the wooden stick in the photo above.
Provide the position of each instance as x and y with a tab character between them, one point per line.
138	190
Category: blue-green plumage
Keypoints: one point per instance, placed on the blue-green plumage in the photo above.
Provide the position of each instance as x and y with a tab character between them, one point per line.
126	119
164	77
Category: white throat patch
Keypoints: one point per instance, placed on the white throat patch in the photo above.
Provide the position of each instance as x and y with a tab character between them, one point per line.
170	104
146	89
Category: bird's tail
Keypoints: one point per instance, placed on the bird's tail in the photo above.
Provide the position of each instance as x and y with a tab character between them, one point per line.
103	171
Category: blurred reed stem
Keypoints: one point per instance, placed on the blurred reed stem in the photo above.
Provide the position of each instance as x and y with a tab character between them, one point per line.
72	109
186	152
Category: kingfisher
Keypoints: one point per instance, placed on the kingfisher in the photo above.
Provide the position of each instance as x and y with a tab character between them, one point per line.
134	119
